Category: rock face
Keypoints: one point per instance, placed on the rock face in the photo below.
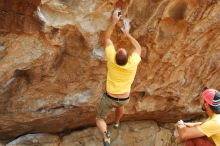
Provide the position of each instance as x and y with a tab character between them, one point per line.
53	71
142	133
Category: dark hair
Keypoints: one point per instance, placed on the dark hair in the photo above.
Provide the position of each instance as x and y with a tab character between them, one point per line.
121	58
215	109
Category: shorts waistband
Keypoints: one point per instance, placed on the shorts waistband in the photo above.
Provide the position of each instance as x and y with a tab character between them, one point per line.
116	99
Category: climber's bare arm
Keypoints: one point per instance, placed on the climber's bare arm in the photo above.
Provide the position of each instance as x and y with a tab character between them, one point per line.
126	29
114	20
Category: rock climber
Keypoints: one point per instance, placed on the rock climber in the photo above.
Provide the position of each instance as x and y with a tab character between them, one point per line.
121	70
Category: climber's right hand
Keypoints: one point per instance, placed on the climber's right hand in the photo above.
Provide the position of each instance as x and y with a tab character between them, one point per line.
126	26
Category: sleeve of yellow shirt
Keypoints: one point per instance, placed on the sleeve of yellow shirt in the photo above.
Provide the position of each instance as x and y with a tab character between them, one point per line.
110	52
209	128
135	58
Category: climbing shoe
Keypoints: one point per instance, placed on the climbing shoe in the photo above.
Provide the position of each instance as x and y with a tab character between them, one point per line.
107	138
116	125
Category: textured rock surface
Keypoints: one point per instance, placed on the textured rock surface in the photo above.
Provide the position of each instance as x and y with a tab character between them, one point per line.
36	139
52	72
142	133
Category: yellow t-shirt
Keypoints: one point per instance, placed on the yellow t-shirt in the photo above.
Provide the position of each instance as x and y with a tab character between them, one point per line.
211	128
120	78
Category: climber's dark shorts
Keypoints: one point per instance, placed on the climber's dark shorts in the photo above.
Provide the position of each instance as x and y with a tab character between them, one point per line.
107	103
